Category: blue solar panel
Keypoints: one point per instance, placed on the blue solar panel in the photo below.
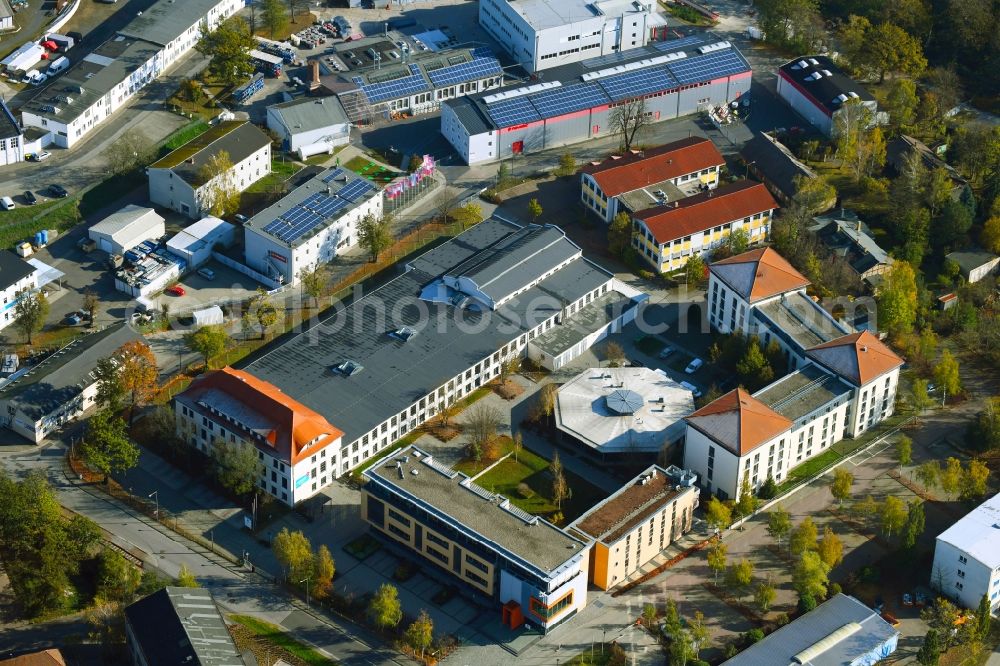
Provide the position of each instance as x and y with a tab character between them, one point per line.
674	44
637	83
516	111
478	68
567	99
336	173
355	190
708	67
408	85
315	210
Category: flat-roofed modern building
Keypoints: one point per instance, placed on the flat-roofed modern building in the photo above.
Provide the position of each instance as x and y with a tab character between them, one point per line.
391	359
614	411
838	632
106	79
575	102
967	557
179	181
842	383
310	225
295	445
533	571
637	523
668	235
650	177
310	125
541	34
818	90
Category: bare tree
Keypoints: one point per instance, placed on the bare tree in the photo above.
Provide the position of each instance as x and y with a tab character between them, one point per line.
129	152
615	354
482	423
626	120
445	202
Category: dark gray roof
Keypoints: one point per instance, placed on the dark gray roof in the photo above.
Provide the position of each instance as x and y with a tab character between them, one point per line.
240	139
800	393
8	124
825	89
62	376
776	163
902	146
167	20
846	627
13	269
842	235
472	115
449	340
468	508
970	260
310	113
181	625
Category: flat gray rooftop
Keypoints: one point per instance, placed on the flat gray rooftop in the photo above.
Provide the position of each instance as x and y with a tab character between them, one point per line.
166	20
599	312
644	197
471	508
800	318
802	392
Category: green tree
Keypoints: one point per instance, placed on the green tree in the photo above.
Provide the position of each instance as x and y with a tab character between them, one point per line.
107	447
892	515
764	595
975	480
866	508
324	569
420	634
694	270
803	537
831	548
649	615
220	189
534	210
314	280
385	610
747	502
626	120
900	101
810	576
273	16
229	47
110	390
236	466
717	559
209	341
264	311
918	395
91	303
185	578
30	312
897	299
984	432
950	478
989	238
567	165
891	49
915	522
840	487
619	234
698	631
718	515
468	215
131	151
753	369
138	373
813	195
739	576
930	652
117	578
738	241
929	474
951	226
946	374
294	553
983	618
560	487
904	451
374	235
779	523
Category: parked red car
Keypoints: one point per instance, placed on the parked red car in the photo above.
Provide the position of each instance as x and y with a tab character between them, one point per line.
176	290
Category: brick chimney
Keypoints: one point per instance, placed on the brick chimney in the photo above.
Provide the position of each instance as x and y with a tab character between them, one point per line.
314	74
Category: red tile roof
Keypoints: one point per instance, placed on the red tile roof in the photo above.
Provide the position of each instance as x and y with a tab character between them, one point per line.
739	421
296	424
617	175
769	274
50	657
706	210
859	357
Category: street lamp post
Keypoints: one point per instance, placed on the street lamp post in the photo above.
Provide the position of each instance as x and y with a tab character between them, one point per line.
156	495
306	581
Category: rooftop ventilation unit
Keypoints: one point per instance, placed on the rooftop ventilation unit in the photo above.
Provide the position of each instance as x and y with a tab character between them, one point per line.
632	66
813	61
801	64
348	368
405	333
509	94
854	95
718	46
826	72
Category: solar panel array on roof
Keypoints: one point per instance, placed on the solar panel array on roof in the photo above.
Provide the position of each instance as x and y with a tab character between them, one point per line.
567	99
638	82
402	87
478	68
674	44
315	210
516	111
333	175
707	67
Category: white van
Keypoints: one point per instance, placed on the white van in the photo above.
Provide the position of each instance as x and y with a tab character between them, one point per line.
6	203
58	65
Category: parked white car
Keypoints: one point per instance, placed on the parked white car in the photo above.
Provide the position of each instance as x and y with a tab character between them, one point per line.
693	366
695	391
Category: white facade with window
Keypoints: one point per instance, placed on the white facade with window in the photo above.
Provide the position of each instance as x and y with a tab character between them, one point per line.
967	557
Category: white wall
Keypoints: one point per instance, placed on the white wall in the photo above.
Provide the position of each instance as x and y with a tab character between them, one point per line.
725	470
12	150
874	402
169	190
967	590
804	106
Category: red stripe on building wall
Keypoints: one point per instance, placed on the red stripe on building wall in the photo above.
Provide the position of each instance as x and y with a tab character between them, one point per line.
805	93
514	128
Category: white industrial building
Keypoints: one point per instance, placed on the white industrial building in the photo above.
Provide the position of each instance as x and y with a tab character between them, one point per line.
841	383
126	228
541	34
39	399
107	78
310	125
17	278
23	58
818	90
179	181
11	137
195	243
6	16
311	225
967	557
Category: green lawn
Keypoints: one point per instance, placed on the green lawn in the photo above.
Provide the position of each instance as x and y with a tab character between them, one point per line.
808	469
532	469
280	172
183	135
273	634
22	222
370	170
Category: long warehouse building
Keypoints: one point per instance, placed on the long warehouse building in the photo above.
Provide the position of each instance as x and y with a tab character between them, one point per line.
674	78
